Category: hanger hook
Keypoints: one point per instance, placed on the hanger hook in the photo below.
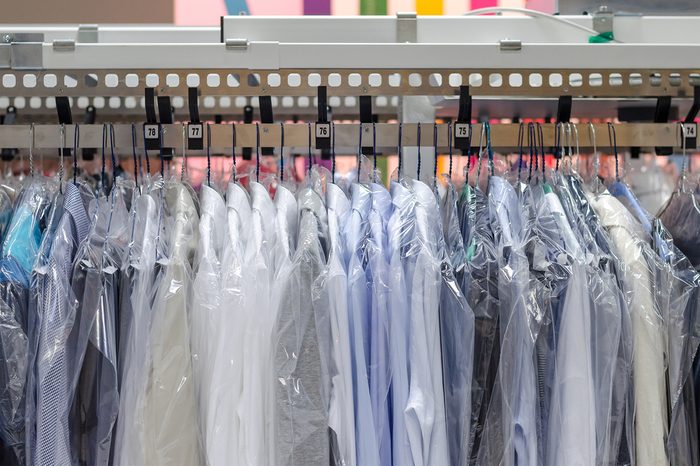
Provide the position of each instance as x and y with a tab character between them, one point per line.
257	152
540	139
281	151
333	152
489	148
76	143
612	136
574	126
60	166
435	150
359	154
482	138
449	144
374	149
521	139
399	148
596	156
557	144
209	154
311	156
183	168
137	165
103	169
532	149
234	167
684	165
111	153
31	150
419	157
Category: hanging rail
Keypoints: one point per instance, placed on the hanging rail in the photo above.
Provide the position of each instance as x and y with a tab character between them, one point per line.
297	135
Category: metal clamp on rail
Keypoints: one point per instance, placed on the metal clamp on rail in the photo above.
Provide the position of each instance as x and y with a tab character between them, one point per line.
21	51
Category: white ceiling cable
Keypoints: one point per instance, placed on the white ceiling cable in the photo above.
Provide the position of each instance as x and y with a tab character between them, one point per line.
534	14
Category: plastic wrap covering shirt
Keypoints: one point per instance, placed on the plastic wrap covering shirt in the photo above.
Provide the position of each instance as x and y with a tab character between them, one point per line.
379	369
331	291
170	431
300	402
356	232
95	273
479	282
457	332
510	432
651	423
400	229
19	252
425	409
138	290
606	327
55	363
208	328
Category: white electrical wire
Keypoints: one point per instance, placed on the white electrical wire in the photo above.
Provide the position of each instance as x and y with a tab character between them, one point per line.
534	14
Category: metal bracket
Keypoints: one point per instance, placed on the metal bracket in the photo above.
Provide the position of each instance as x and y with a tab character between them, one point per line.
21	51
603	20
406	27
510	45
64	45
88	33
236	44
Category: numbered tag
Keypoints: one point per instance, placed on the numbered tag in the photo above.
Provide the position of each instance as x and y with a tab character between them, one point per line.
461	130
151	136
323	130
323	135
691	130
150	131
691	135
461	135
195	136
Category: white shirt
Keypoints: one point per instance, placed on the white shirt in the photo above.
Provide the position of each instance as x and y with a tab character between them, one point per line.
651	417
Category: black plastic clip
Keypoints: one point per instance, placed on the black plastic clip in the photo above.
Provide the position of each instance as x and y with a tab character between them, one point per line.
323	127
247	152
266	116
151	129
661	115
462	127
88	153
366	117
165	112
564	105
65	117
195	128
691	128
10	118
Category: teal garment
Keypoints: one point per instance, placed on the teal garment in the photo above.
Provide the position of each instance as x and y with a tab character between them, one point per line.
23	238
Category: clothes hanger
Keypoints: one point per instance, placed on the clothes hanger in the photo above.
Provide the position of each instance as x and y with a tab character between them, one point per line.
375	174
31	150
60	156
332	151
419	156
209	155
521	140
310	152
234	167
596	158
435	149
183	169
76	143
612	136
257	152
137	165
282	155
532	151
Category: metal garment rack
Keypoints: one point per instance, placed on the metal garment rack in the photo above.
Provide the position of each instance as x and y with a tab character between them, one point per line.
393	60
